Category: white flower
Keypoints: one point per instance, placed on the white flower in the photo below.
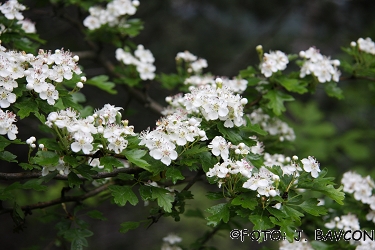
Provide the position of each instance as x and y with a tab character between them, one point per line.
219	146
166	154
273	62
172	239
11	10
6	98
144	55
6	124
146	71
320	66
27	26
311	165
83	142
117	144
366	45
51	94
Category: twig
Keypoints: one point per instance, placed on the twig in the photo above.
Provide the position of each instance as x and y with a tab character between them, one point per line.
62	199
142	97
209	235
102	175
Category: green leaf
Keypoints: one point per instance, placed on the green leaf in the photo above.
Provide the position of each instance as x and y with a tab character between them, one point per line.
246	200
220	212
8	156
35	184
333	91
125	177
310	206
4	142
26	106
123	194
163	197
196	149
109	162
27	166
102	83
77	236
293	85
95	214
207	160
145	192
86	171
253	127
135	157
248	72
74	180
71	160
129	225
286	226
292	213
231	134
46	158
325	186
174	174
276	101
261	222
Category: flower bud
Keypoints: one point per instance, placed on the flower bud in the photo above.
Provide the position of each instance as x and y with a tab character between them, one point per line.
79	85
135	3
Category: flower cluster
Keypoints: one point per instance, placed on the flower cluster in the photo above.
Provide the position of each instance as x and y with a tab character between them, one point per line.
194	64
13	10
322	67
273	125
362	190
170	241
143	61
82	131
287	165
350	223
302	244
41	72
345	222
366	45
112	15
213	104
47	68
229	166
273	62
237	85
6	124
172	131
264	182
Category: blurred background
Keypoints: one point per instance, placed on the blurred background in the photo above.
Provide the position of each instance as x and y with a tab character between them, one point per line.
340	134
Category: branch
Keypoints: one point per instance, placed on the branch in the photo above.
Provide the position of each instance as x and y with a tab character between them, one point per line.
102	175
107	64
62	199
209	235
